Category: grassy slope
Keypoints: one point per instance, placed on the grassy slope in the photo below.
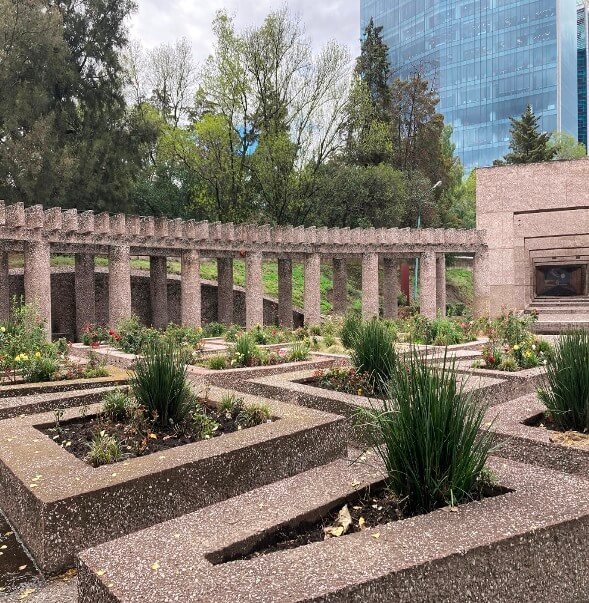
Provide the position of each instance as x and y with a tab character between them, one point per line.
460	286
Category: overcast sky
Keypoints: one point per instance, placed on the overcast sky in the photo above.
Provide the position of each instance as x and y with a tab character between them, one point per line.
159	21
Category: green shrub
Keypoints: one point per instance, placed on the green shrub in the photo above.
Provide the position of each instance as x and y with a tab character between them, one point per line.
445	332
183	335
159	383
203	425
298	352
511	328
374	353
217	363
214	329
245	352
350	328
429	435
132	337
230	406
252	414
38	368
328	341
566	388
116	405
104	450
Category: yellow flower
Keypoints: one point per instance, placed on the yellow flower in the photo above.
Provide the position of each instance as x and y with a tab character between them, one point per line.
516	347
2	329
37	354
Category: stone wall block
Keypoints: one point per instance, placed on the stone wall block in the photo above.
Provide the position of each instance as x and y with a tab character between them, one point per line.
86	222
52	219
69	220
15	215
102	223
160	227
147	226
34	216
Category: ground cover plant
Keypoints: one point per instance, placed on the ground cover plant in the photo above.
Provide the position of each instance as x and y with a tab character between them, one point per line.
27	356
245	352
158	412
268	335
131	336
512	345
566	383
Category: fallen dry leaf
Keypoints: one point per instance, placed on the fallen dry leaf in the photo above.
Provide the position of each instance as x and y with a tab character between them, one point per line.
342	524
376	535
155	566
101	572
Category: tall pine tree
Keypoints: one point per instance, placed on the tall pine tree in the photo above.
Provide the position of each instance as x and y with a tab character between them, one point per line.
373	68
528	144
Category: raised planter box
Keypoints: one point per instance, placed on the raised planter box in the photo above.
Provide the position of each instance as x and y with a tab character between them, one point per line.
116	376
45	402
59	504
531	544
298	388
522	442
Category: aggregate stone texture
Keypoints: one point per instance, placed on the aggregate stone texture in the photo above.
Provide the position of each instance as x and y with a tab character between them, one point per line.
115	377
529	545
59	504
37	403
297	388
531	444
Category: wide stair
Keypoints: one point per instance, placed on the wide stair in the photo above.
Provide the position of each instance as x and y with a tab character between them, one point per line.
556	315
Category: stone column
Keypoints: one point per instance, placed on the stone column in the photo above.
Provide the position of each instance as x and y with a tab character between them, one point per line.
119	284
225	290
482	288
4	288
158	288
312	294
370	301
427	284
390	289
340	286
85	292
37	280
190	293
285	318
254	290
441	284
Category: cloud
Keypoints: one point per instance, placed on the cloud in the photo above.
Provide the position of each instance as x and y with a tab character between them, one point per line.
157	22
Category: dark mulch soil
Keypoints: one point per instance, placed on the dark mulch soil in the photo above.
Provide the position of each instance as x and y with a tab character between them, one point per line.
76	435
368	508
557	434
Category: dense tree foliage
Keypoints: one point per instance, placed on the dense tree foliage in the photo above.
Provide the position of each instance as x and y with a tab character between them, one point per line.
66	133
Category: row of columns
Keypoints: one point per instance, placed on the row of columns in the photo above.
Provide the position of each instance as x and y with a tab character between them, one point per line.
38	287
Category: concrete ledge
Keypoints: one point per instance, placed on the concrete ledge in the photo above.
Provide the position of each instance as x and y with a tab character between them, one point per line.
528	545
38	403
59	504
522	442
115	377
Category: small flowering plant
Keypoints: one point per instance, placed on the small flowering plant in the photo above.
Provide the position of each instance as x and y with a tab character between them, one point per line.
512	346
345	380
94	334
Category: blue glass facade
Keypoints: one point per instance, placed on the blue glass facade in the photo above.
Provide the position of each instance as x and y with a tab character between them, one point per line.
488	60
582	71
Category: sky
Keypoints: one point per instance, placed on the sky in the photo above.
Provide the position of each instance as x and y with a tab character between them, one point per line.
158	21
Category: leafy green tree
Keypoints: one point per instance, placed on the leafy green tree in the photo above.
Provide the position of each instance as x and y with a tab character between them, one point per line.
527	144
66	136
566	146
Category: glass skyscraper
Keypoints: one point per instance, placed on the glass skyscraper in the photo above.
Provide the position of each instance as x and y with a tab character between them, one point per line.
582	70
488	59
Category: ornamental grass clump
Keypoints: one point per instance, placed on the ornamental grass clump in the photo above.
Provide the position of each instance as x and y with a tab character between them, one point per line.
428	432
373	353
350	329
159	383
566	383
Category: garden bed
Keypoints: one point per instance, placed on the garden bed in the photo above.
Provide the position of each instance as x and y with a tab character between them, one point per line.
50	401
299	387
505	548
517	426
59	504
